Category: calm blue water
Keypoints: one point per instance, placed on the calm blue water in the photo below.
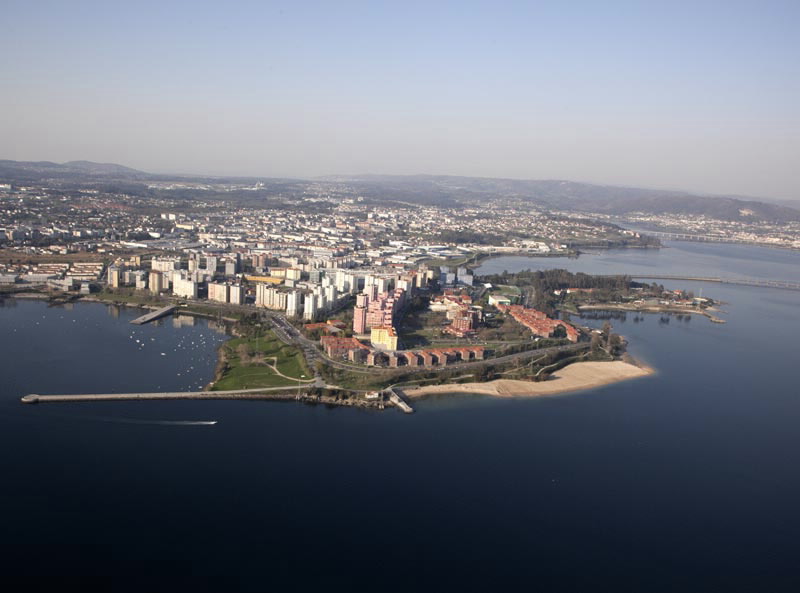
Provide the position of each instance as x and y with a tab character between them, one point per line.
92	348
684	481
676	259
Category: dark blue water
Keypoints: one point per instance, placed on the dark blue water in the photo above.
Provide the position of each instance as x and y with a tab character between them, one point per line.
92	348
683	481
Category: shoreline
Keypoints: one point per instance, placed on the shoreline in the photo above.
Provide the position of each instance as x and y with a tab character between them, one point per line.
654	309
574	253
578	376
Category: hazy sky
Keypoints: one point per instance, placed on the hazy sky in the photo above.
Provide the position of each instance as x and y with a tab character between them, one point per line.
691	95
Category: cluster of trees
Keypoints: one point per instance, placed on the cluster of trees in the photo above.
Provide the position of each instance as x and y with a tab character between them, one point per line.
607	341
539	285
475	237
558	279
325	392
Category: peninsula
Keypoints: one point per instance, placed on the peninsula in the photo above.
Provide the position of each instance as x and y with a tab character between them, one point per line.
333	295
422	334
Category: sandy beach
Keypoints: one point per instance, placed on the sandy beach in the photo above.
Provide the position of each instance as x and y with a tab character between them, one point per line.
575	377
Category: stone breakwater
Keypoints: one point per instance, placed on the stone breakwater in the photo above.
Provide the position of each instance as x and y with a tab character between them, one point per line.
244	394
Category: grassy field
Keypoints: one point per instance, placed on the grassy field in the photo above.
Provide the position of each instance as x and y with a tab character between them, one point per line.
420	328
129	296
265	361
508	290
503	328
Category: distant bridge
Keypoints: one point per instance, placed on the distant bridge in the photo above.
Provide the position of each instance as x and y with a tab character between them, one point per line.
689	237
739	281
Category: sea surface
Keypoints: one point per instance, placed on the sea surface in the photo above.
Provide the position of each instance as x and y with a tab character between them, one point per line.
687	480
677	258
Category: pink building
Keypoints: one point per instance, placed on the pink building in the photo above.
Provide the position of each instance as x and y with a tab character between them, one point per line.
382	310
359	319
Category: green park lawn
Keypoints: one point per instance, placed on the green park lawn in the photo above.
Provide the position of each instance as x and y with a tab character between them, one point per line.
249	364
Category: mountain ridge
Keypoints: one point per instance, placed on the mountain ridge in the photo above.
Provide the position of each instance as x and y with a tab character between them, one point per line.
452	190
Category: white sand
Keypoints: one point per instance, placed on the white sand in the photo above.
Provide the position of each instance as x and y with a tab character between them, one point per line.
575	377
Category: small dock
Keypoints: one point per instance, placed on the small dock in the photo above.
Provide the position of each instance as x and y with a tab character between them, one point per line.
398	401
147	318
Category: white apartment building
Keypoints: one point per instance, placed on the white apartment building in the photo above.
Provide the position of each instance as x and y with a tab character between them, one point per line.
310	307
293	304
218	292
184	287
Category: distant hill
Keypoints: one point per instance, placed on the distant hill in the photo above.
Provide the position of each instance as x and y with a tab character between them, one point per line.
103	168
32	171
566	195
443	190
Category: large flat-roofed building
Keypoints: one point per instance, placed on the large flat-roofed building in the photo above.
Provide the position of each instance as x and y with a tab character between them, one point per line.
383	337
165	264
218	292
156	282
310	307
293	304
270	297
236	295
184	287
495	300
114	277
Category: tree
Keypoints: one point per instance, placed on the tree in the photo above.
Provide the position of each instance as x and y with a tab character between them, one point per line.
596	343
607	334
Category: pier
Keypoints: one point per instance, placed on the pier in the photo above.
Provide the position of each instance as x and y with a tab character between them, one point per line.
147	318
286	393
398	401
34	398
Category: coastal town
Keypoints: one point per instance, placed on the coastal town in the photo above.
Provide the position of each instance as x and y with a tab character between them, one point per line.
330	284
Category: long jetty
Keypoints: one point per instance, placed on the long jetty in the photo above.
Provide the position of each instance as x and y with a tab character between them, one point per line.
286	393
35	398
738	281
148	317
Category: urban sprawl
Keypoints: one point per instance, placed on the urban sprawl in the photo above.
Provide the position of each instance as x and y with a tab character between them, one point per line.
335	264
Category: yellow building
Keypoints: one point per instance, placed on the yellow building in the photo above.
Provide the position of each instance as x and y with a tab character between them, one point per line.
383	337
264	279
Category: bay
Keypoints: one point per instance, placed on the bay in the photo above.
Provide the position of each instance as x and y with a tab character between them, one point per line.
685	480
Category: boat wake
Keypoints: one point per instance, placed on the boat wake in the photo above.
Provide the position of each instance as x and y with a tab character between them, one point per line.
117	420
162	422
